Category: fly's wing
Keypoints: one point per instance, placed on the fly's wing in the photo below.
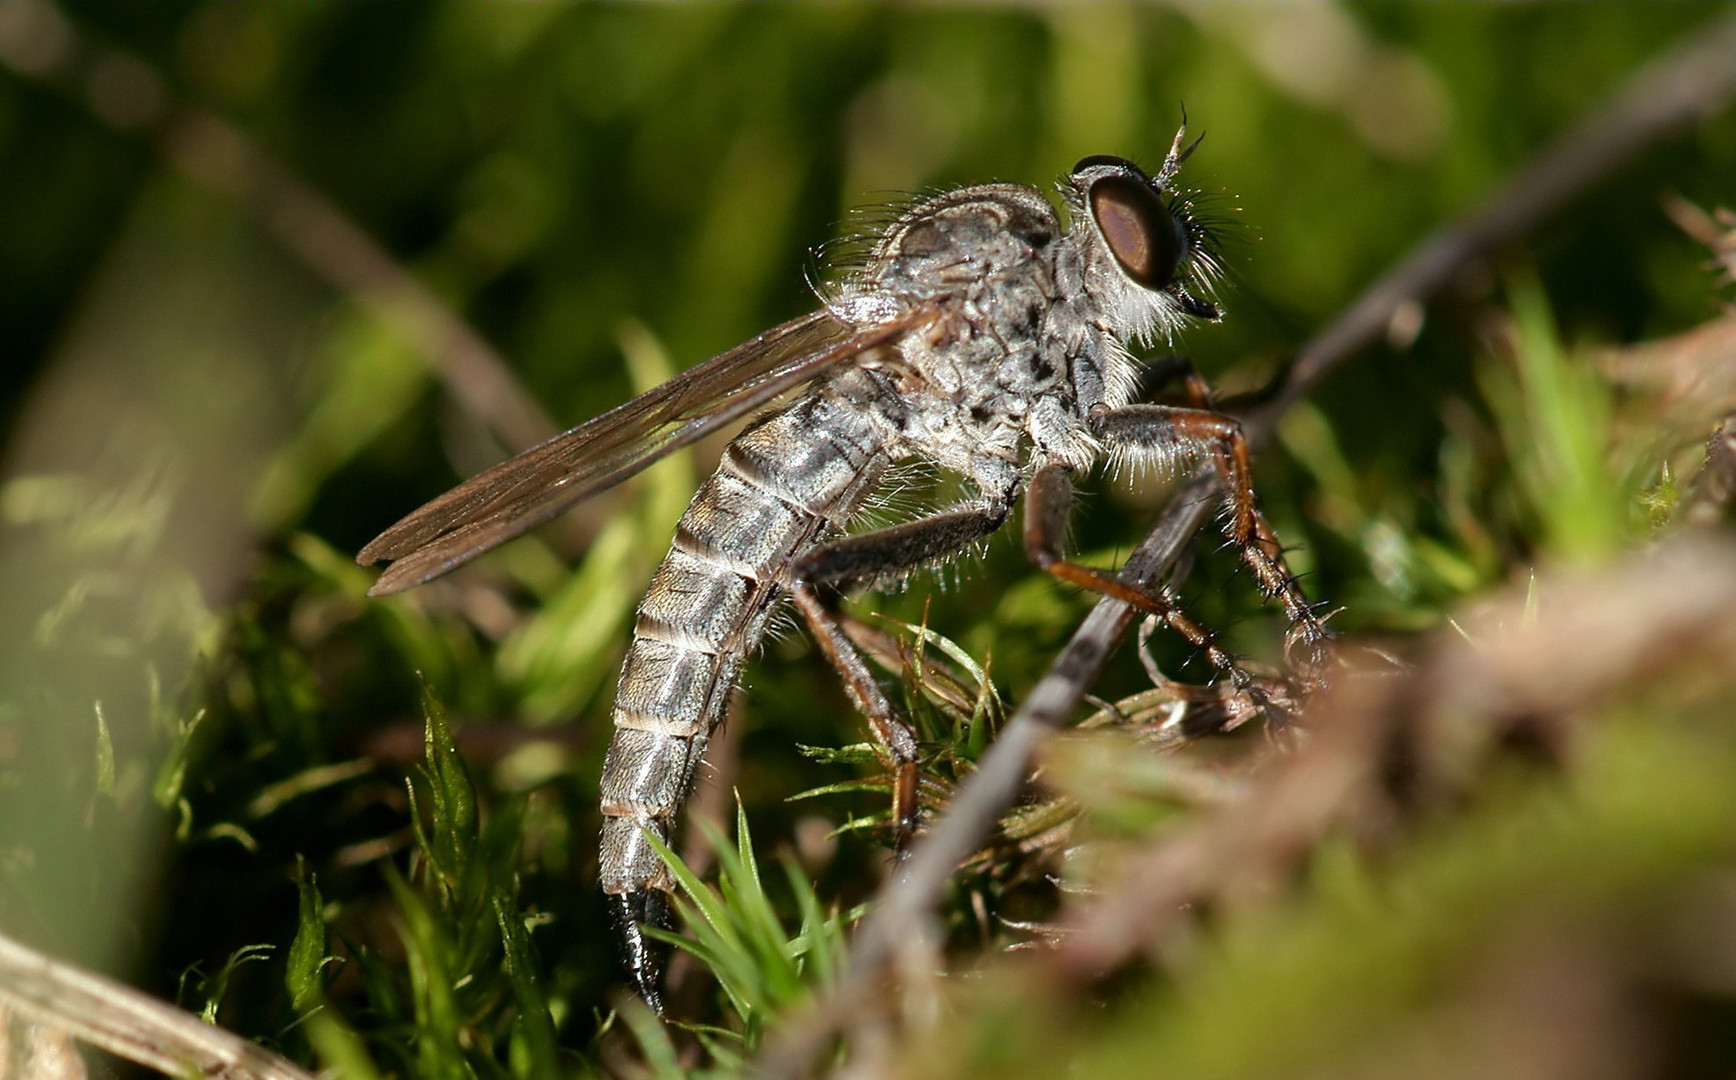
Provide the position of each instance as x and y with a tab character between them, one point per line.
524	491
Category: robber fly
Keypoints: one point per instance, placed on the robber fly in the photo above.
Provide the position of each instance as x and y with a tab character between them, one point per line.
979	334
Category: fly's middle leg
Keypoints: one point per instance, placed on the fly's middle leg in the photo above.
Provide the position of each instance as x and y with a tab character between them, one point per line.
857	561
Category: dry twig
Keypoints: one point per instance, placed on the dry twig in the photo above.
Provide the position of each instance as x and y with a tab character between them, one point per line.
127	1023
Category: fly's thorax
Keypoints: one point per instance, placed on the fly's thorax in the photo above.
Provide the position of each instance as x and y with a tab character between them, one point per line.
961	237
1101	300
1099	312
969	382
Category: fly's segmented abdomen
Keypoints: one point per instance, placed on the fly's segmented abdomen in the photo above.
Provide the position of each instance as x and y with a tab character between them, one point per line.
782	486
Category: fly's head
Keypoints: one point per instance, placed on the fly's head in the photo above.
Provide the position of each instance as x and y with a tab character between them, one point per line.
1142	256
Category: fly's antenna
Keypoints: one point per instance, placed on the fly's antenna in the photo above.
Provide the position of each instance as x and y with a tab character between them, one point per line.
1178	153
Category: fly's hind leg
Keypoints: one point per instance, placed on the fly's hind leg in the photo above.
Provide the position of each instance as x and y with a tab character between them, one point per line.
1170	430
858	561
892	733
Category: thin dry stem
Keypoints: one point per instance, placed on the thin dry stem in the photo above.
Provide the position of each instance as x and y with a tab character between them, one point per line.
127	1023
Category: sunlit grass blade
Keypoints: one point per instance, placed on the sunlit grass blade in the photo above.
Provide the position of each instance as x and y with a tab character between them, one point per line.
738	935
307	953
532	1025
438	1042
1558	434
451	835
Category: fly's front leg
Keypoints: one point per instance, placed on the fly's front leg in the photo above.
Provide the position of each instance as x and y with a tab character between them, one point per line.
1161	430
1048	503
855	562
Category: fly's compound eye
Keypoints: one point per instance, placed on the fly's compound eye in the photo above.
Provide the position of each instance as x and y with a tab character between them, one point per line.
1141	233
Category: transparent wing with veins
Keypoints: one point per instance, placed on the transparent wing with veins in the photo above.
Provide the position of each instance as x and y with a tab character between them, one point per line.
527	490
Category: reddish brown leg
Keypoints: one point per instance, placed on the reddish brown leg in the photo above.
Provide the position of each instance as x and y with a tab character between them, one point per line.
893	735
1048	502
1162	429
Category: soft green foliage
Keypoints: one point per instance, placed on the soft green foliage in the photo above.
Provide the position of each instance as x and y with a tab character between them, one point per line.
216	986
449	839
1556	423
307	953
738	935
533	1050
473	980
362	831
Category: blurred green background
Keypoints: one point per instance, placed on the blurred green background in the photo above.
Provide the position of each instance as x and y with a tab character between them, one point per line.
236	243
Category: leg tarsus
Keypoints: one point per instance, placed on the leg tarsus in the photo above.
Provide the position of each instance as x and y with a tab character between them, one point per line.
906	812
